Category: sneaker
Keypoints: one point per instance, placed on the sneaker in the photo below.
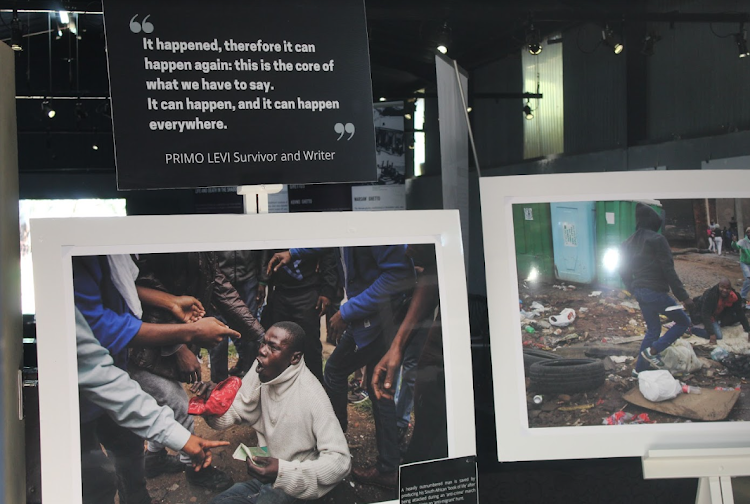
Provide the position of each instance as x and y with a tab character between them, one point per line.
357	396
210	478
161	463
654	360
634	373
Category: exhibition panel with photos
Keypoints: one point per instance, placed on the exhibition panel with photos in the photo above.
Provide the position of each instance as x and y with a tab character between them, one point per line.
170	278
617	312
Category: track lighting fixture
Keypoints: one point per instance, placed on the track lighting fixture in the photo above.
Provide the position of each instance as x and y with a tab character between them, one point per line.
649	41
443	38
533	41
610	39
47	109
741	40
527	112
16	35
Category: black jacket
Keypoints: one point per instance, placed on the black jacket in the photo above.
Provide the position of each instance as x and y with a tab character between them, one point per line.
706	305
646	259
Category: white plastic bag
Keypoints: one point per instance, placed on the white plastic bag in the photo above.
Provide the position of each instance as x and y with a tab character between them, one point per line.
566	317
680	358
657	386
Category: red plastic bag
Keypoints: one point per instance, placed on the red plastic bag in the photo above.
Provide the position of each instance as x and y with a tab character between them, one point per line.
219	401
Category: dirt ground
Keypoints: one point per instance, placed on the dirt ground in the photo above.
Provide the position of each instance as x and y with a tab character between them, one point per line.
612	322
174	489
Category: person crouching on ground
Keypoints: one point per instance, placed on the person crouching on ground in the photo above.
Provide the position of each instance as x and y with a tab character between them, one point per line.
287	406
719	306
647	270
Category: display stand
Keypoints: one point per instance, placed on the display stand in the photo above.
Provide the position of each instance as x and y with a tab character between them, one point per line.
714	467
255	197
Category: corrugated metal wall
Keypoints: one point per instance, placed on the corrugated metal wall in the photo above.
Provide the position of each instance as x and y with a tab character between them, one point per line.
543	135
595	93
498	124
697	84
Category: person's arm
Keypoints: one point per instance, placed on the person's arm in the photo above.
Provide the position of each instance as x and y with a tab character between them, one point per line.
664	257
328	280
244	408
233	309
384	374
708	306
396	275
110	388
183	308
311	479
207	332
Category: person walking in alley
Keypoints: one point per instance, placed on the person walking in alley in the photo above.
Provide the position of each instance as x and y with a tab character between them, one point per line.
647	270
743	247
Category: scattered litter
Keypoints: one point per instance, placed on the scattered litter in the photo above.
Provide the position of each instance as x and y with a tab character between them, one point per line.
620	359
583	309
657	386
719	354
528	314
529	329
632	322
728	389
543	324
566	317
595	293
537	306
558	332
538	399
621	418
174	487
572	287
351	483
630	304
582	407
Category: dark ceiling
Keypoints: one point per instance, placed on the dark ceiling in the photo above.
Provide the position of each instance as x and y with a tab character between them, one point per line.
402	34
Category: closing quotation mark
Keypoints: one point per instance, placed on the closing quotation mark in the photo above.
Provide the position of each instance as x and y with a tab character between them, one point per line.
145	26
341	129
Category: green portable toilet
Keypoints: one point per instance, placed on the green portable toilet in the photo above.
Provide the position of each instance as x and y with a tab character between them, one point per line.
615	222
532	228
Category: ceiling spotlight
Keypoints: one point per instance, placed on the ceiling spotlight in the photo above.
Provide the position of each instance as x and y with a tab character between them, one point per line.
16	35
72	27
443	39
533	41
741	40
47	109
610	39
527	112
382	98
64	18
649	42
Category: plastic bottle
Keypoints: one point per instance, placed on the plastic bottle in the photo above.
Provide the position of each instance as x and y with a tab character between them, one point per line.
530	329
689	389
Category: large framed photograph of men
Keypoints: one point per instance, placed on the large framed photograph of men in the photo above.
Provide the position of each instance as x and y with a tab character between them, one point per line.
211	358
618	311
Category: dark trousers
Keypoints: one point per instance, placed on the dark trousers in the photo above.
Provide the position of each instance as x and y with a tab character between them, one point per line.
100	477
653	304
298	306
346	359
430	438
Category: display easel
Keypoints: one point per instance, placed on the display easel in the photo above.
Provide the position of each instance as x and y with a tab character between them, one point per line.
714	467
255	197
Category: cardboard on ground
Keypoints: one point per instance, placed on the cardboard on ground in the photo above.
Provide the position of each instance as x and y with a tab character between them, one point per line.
243	452
710	405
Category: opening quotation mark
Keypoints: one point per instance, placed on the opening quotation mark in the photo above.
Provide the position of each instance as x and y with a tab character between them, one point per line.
144	27
341	129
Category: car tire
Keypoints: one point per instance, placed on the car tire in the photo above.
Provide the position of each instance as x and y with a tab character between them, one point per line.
532	356
566	376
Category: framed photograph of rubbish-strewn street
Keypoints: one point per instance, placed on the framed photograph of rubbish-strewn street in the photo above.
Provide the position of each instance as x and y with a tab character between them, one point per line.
138	318
617	306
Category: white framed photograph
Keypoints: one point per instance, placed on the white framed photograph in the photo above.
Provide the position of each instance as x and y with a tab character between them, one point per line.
571	323
176	278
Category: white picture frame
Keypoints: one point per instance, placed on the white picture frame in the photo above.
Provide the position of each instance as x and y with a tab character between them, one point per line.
516	441
55	241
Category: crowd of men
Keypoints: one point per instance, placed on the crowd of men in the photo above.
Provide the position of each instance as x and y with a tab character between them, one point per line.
141	322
